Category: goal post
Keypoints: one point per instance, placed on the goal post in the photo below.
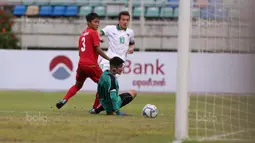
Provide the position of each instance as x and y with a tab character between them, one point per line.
181	110
215	92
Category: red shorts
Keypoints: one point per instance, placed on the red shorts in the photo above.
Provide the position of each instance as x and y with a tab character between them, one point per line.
88	71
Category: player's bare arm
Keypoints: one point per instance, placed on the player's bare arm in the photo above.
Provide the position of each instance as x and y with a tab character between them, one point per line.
131	48
100	33
101	53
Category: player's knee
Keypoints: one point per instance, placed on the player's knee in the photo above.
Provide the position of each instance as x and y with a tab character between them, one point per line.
133	93
79	84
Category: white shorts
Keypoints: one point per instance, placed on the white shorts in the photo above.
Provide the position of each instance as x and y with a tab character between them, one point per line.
104	65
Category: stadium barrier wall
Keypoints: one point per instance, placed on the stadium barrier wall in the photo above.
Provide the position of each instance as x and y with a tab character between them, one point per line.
144	71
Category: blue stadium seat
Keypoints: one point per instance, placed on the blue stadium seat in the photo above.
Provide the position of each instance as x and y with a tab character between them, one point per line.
175	3
220	13
71	11
59	11
19	10
45	10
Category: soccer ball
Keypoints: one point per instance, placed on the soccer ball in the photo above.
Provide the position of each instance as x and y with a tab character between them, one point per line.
150	111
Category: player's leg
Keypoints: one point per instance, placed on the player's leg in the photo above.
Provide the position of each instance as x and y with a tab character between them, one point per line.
80	78
126	98
104	65
97	72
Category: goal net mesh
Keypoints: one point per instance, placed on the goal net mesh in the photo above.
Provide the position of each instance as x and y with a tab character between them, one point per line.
221	105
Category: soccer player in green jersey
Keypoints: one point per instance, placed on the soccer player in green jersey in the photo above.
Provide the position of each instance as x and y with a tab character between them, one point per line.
108	90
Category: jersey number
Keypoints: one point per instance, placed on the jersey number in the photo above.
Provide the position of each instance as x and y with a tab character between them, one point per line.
83	48
122	40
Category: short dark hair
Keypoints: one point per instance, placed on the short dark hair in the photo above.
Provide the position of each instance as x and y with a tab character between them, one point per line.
124	13
116	61
91	16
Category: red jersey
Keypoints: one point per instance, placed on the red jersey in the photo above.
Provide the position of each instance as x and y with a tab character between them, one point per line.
87	41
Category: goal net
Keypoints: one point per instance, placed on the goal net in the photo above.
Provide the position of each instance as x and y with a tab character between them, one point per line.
221	72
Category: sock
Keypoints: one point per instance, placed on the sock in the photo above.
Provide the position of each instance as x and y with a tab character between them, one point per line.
71	92
99	109
96	102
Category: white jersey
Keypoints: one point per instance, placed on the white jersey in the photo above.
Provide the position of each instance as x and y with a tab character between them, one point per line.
119	41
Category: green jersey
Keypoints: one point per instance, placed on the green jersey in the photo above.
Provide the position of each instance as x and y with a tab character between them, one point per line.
108	89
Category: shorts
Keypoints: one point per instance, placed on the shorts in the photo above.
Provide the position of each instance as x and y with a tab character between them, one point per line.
125	98
104	65
88	71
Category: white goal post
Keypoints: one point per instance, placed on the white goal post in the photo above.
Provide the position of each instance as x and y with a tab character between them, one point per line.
221	107
181	110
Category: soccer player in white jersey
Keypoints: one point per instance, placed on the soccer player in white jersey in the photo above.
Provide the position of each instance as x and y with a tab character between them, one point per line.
121	42
121	39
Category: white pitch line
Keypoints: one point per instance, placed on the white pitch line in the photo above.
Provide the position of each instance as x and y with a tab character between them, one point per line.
217	137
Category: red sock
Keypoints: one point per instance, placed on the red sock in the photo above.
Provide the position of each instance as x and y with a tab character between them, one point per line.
96	102
71	92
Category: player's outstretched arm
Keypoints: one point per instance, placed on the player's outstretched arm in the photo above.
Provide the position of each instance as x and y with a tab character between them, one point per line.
101	53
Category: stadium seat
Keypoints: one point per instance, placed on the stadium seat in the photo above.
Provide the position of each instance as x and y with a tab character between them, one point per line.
166	12
95	2
16	2
136	2
84	10
149	3
137	12
195	12
161	3
100	10
42	2
81	2
45	10
28	2
58	11
61	2
124	9
220	13
71	11
213	13
176	12
122	1
32	10
174	3
152	12
19	10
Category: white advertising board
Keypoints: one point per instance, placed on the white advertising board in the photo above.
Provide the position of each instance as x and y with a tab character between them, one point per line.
144	71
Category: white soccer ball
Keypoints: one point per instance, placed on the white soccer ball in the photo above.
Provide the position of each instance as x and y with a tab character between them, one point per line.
150	111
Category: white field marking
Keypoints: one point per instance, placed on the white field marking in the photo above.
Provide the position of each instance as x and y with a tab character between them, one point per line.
217	137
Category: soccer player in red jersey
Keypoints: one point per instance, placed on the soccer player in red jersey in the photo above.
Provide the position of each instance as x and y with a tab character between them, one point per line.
89	49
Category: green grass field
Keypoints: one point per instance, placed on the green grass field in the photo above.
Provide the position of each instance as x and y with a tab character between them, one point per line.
32	117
